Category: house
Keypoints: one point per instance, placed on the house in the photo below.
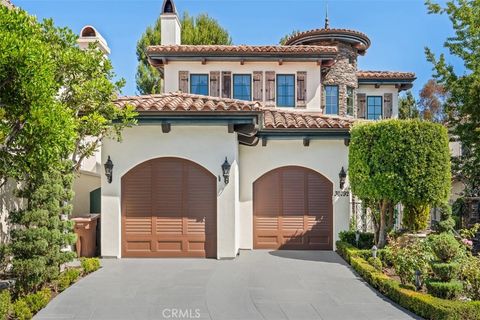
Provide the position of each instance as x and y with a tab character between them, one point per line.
246	149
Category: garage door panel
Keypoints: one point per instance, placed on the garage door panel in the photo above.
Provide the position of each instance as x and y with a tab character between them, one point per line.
300	210
168	210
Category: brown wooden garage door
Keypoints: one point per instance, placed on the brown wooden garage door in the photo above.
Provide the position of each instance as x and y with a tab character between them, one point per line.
169	210
292	208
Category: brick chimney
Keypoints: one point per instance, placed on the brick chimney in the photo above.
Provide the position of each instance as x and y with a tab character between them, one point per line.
90	35
170	24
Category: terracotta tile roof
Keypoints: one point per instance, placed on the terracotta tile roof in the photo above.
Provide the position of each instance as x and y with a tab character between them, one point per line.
273	118
240	49
386	75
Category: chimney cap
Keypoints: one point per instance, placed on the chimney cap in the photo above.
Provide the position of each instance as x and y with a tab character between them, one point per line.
90	34
168	7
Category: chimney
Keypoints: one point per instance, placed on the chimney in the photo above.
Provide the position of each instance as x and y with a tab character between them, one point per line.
170	24
90	35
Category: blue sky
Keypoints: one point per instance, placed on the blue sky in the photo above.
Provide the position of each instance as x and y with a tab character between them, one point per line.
399	29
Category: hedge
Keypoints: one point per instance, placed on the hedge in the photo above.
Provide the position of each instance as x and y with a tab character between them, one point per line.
422	304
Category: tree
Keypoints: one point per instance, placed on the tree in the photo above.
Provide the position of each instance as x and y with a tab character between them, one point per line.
284	39
394	161
432	100
463	86
195	31
408	106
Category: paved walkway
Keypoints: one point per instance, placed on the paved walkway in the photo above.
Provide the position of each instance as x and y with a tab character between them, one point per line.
257	285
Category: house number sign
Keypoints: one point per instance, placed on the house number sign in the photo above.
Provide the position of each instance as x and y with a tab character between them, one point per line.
342	193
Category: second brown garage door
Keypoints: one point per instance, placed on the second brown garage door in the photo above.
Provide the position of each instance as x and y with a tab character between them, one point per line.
169	210
292	208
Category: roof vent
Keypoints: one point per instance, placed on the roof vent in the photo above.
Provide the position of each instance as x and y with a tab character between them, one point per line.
88	32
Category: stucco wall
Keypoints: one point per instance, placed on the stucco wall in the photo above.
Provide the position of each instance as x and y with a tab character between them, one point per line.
370	90
8	203
207	145
324	156
84	183
312	69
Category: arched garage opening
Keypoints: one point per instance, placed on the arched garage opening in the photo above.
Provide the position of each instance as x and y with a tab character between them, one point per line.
169	209
293	210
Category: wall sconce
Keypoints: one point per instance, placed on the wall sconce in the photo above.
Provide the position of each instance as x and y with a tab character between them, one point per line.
226	171
109	169
343	176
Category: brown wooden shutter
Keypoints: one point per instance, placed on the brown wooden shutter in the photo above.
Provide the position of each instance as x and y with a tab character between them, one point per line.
226	84
270	87
215	83
387	105
183	81
361	101
258	85
301	88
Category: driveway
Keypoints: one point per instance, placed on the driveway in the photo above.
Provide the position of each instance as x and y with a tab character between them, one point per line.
257	285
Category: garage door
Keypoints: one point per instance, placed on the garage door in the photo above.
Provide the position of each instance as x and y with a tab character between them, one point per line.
169	210
292	208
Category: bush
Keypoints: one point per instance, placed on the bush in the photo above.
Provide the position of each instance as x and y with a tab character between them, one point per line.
90	265
470	273
365	241
386	255
447	222
37	301
410	258
422	304
415	218
445	271
445	246
21	311
445	290
5	304
66	278
376	263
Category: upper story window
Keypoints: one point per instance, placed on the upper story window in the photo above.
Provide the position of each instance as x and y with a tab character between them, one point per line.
242	87
331	99
199	84
374	107
285	90
350	101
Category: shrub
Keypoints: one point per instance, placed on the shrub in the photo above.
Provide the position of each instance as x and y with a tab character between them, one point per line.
422	304
445	246
37	301
470	273
21	311
445	290
376	263
386	255
414	256
5	303
447	222
365	241
90	265
445	271
66	278
415	218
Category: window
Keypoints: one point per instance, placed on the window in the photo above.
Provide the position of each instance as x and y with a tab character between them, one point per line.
242	86
374	108
199	84
285	90
350	101
331	99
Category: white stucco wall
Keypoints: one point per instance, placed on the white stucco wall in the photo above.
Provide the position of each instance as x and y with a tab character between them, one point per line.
324	156
370	90
312	69
206	145
84	183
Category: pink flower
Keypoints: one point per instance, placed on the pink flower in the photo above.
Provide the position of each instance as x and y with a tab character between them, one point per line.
467	242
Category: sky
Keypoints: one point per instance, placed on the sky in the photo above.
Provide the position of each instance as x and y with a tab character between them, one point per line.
399	29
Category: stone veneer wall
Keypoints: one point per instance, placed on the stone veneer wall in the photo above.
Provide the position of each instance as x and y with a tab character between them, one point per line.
344	74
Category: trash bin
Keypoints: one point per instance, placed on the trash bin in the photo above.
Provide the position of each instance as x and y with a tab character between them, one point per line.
86	230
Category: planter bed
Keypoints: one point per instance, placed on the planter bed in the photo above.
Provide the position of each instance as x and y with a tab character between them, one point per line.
422	304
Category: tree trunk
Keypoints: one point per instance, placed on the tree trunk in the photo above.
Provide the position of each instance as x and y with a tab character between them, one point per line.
382	236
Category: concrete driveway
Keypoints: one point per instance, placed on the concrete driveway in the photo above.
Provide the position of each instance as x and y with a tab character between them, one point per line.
257	285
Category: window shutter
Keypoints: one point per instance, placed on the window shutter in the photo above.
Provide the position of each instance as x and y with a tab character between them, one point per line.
226	84
361	101
215	83
270	87
301	88
183	81
258	85
387	105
